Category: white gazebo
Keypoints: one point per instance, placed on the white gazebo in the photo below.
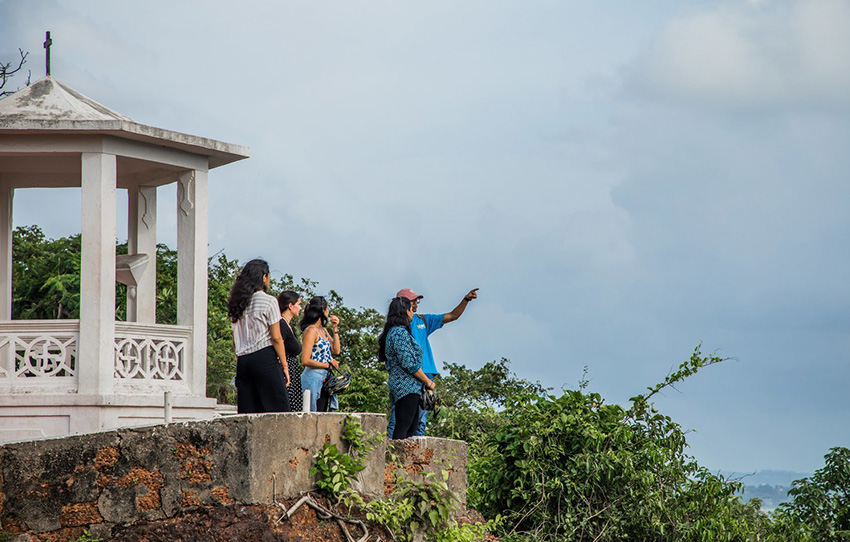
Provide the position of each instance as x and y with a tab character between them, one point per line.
59	377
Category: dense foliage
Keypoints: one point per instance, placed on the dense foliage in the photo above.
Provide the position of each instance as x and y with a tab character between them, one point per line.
542	467
820	509
471	401
46	275
571	467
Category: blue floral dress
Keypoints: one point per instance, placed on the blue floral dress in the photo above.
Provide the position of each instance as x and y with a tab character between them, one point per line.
313	377
404	357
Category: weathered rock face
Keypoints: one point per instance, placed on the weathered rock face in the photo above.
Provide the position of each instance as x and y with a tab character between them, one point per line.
209	525
222	523
226	523
415	457
121	476
107	482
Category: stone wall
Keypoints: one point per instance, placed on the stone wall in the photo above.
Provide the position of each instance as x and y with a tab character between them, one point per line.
415	457
55	488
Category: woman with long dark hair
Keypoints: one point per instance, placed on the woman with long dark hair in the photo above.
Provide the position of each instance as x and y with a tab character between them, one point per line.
290	307
318	351
402	356
261	371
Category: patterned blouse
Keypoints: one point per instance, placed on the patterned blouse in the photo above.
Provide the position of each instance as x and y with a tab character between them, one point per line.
404	357
321	348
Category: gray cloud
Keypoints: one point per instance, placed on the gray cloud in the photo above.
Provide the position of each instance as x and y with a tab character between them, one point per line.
754	54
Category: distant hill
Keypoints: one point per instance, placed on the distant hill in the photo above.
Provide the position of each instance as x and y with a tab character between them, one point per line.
771	486
770	496
767	477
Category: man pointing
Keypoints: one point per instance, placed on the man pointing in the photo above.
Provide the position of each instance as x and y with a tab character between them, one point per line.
421	327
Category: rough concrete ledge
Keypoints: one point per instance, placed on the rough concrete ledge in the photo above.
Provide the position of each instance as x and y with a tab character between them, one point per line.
53	488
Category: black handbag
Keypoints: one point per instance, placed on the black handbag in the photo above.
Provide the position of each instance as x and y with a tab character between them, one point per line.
334	384
427	399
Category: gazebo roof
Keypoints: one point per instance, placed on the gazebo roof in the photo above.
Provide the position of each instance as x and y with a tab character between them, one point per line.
48	106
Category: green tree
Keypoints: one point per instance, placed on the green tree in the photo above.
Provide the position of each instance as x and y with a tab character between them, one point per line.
221	360
45	275
471	400
820	507
571	467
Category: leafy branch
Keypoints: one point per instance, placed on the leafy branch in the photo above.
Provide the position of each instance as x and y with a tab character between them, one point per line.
685	370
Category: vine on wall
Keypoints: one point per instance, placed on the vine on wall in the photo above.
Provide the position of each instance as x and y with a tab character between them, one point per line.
414	506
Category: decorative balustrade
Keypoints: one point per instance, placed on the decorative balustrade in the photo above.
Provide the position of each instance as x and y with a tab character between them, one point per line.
152	355
42	354
39	353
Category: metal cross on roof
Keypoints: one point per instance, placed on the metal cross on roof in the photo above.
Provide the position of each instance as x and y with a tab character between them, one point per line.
47	43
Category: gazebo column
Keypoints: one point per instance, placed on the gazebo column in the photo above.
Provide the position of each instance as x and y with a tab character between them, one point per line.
6	196
141	239
192	240
96	349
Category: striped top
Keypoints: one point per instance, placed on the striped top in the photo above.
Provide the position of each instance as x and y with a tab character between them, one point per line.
251	332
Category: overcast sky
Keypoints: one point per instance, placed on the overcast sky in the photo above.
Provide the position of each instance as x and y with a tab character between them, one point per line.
623	180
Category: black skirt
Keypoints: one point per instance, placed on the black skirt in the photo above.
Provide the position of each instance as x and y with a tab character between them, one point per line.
260	383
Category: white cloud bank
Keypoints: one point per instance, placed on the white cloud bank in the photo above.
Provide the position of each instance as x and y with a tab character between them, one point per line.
766	53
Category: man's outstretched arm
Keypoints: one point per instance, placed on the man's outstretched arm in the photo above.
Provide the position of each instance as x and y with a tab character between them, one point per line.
457	311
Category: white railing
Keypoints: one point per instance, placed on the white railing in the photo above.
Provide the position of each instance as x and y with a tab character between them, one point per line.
42	354
152	356
39	353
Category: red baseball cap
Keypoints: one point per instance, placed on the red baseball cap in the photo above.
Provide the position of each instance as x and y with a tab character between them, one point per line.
407	293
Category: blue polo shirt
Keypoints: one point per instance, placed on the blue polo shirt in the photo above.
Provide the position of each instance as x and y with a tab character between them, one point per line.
421	326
